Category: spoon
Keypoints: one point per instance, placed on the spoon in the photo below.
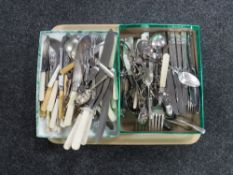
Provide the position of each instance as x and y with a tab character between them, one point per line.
70	45
158	41
188	79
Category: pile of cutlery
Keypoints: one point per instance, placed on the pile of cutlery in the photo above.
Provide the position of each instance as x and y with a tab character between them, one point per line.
159	80
77	85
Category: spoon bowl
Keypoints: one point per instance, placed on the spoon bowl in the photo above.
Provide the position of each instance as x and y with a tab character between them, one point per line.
158	41
70	45
188	79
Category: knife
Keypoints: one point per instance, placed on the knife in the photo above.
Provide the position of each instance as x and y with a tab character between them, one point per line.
54	67
179	87
86	117
64	60
106	59
173	85
185	66
44	68
81	51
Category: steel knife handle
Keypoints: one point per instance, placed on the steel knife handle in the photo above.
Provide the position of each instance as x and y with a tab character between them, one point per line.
197	128
106	70
115	92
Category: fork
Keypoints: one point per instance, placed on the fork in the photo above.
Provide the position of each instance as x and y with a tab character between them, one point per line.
157	121
191	107
158	115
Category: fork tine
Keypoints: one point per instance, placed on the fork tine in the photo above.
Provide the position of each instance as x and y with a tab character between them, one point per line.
158	120
162	122
153	124
150	124
159	123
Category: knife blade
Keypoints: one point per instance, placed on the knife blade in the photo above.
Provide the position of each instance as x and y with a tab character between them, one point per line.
54	55
105	57
179	87
171	74
104	111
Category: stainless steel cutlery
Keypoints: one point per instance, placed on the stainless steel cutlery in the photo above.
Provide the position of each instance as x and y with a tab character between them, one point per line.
160	80
80	83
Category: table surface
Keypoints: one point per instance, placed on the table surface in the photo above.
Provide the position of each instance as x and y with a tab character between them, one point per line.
22	153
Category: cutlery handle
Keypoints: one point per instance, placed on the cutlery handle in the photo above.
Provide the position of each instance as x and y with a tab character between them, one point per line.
184	50
178	49
101	48
65	84
86	132
52	97
67	68
46	100
70	137
145	36
61	111
48	117
111	115
197	128
164	69
106	70
115	94
85	117
53	119
135	100
126	61
54	76
62	123
42	114
42	86
113	104
70	109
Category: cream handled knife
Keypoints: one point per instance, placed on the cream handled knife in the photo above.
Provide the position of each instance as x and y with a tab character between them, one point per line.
80	52
164	69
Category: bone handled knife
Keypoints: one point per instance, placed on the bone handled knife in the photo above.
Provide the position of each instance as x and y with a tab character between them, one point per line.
164	70
82	47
